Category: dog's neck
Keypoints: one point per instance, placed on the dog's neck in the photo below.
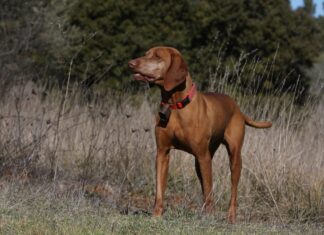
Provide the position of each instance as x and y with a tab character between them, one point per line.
178	93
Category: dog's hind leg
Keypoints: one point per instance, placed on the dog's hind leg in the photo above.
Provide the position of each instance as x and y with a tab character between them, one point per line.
234	136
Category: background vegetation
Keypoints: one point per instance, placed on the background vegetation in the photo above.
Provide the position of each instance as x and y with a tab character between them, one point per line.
65	166
92	41
77	151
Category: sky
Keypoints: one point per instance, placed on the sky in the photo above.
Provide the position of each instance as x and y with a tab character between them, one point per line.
319	5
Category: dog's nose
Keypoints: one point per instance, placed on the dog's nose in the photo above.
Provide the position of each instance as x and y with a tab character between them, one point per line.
132	63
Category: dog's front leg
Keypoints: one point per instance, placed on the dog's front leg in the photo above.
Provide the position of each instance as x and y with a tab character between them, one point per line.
162	166
204	173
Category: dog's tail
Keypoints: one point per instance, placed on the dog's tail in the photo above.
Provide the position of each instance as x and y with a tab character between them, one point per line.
256	124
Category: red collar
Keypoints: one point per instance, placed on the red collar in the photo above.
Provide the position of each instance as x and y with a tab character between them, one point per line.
181	104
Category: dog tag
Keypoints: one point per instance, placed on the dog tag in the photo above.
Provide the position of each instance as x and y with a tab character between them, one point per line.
164	113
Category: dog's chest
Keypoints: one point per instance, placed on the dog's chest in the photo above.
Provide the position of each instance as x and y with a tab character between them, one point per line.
189	134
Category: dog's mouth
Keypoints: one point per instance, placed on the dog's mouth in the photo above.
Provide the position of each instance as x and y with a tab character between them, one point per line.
142	77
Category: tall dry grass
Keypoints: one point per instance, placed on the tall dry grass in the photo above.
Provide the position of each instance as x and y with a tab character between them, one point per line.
55	136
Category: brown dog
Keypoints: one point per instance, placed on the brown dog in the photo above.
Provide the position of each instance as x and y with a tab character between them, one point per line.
192	121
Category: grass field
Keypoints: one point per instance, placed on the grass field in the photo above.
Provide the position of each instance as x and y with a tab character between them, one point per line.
39	209
75	167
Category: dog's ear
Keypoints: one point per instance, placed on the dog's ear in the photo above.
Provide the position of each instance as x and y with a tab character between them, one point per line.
176	73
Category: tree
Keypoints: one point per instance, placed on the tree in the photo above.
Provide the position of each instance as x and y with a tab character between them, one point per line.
309	7
108	33
91	41
271	29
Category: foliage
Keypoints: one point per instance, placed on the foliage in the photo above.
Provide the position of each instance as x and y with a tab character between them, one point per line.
91	41
320	21
20	26
206	32
109	33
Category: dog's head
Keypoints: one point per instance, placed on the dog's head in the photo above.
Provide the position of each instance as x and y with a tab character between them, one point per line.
163	66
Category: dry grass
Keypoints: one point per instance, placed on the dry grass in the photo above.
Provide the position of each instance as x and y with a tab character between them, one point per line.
105	149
